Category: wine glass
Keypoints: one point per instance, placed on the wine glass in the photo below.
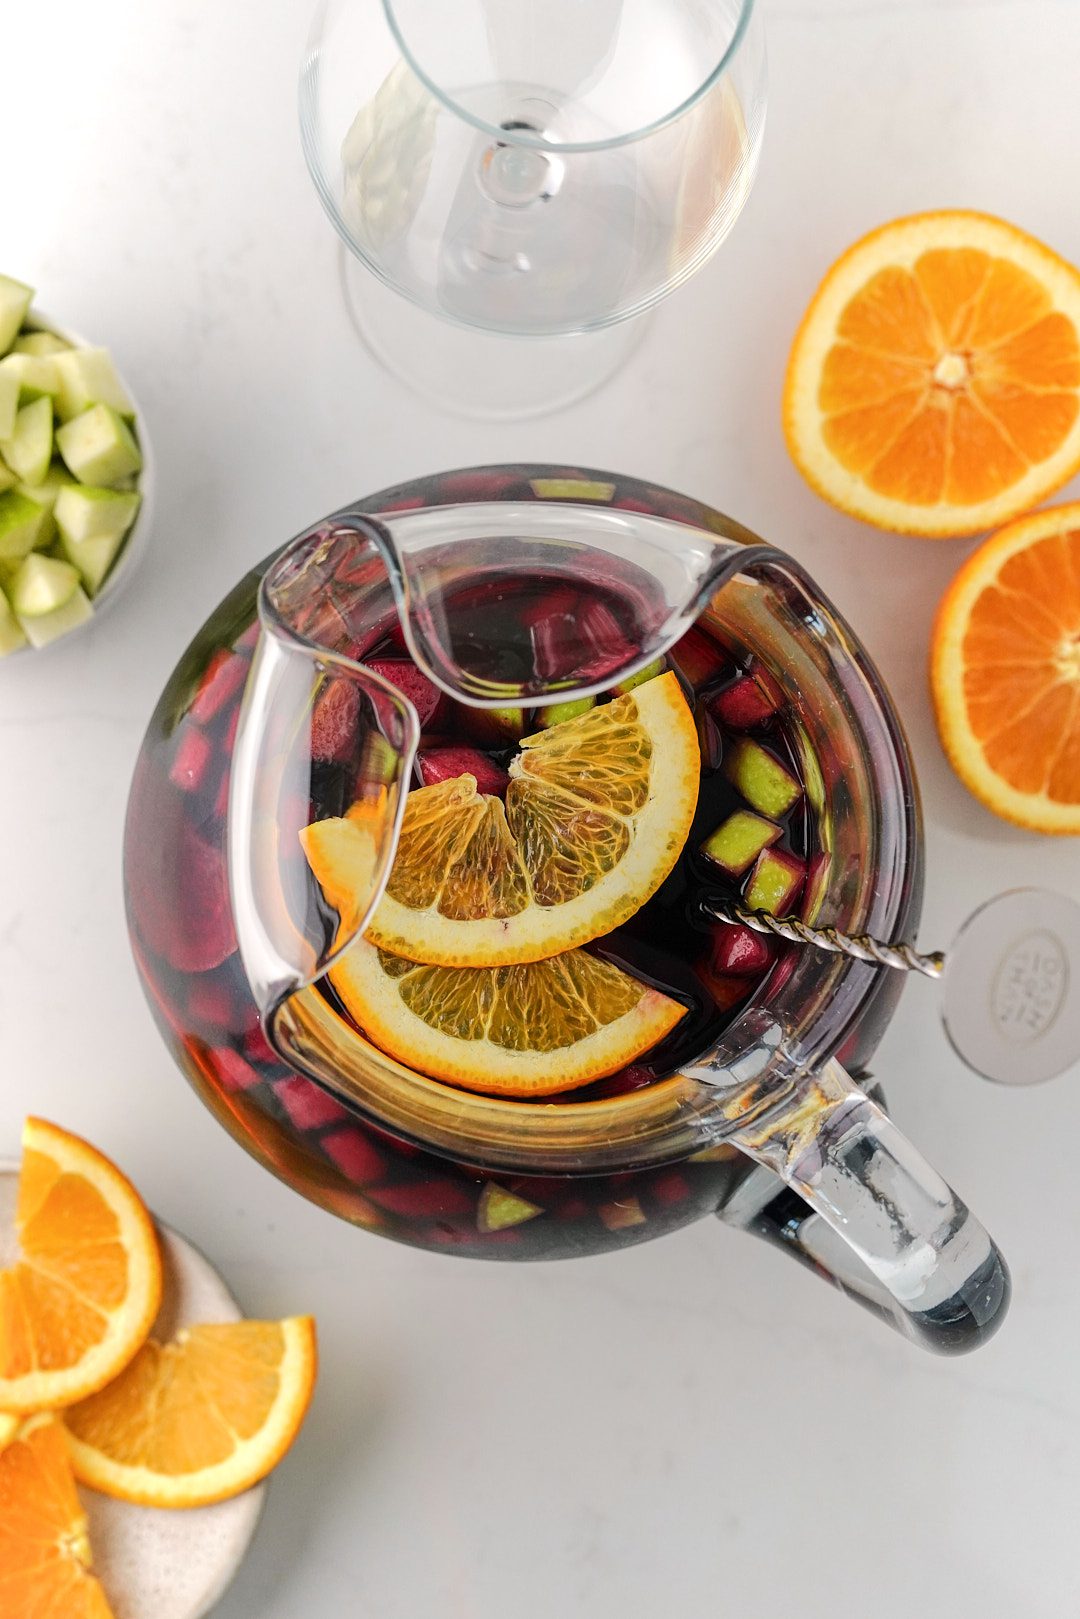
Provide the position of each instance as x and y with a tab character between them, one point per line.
515	180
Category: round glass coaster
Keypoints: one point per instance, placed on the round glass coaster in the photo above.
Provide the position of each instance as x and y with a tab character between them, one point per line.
150	1561
1011	1001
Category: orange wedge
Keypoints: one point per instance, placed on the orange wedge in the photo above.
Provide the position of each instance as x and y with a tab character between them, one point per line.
530	1030
1005	671
934	384
82	1295
198	1419
44	1546
596	815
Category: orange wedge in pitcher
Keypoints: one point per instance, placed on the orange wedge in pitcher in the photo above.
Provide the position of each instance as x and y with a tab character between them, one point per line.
1005	671
86	1286
44	1546
934	384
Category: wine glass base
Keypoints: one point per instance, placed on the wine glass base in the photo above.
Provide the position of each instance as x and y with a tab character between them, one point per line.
483	375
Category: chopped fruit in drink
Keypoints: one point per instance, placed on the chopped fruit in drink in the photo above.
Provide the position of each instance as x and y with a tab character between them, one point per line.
194	752
447	764
738	949
199	1418
727	990
45	1556
1005	672
88	377
335	720
86	1285
222	678
596	816
602	646
766	784
435	1197
9	403
775	882
413	685
15	300
619	1216
99	446
634	1077
21	522
669	1188
745	704
233	1071
738	841
498	1209
35	375
553	635
307	1104
354	1154
180	899
934	384
531	1030
11	635
818	873
491	727
40	343
558	713
43	628
41	585
29	449
699	659
650	672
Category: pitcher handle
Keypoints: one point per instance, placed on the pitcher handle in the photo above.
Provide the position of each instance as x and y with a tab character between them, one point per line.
881	1223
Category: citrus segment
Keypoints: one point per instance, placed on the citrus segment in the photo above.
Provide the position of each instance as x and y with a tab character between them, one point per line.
934	384
44	1545
198	1419
80	1299
1005	671
597	811
533	1029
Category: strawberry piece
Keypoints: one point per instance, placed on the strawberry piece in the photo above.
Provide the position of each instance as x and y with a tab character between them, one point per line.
737	949
222	679
699	659
354	1155
745	704
191	760
435	1198
416	687
445	764
334	722
307	1104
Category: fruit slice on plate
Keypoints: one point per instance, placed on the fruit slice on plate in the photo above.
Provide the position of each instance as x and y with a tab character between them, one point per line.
527	1030
934	384
198	1419
44	1545
80	1299
1005	671
596	814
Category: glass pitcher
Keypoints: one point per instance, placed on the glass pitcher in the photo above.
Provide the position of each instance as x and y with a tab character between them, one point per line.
762	1124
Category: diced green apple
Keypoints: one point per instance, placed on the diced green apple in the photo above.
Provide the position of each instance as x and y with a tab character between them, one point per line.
98	446
88	377
650	672
738	841
42	585
9	402
35	373
20	525
50	626
58	477
15	300
559	713
8	479
29	449
11	636
94	558
766	784
84	512
39	343
775	882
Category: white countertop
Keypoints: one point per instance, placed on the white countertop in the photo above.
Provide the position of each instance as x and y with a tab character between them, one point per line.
692	1427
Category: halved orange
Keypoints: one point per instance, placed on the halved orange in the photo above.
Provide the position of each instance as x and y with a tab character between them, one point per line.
82	1295
528	1030
44	1544
596	815
934	384
1005	671
198	1419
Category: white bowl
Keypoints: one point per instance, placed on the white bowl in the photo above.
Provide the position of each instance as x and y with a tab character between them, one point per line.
134	547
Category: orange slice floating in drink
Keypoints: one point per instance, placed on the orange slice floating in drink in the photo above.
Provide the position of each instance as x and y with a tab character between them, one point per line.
1005	671
596	815
528	1030
934	384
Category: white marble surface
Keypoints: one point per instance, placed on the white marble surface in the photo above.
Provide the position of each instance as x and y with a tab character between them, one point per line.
692	1427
